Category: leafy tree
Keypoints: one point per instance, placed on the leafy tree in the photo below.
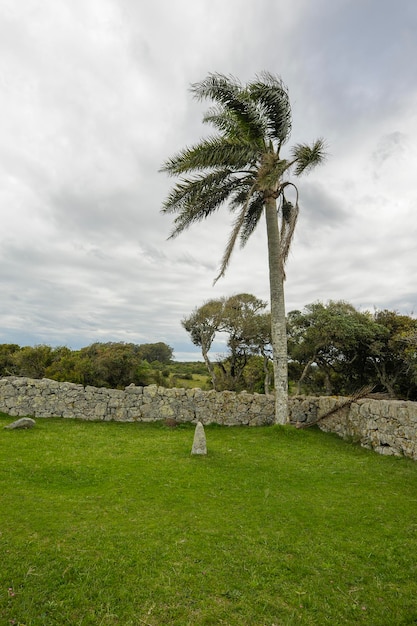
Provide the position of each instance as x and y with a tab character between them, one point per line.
8	366
202	325
410	359
242	321
159	351
330	343
261	340
113	364
335	348
144	374
34	361
109	364
393	354
248	332
255	378
117	364
66	368
242	164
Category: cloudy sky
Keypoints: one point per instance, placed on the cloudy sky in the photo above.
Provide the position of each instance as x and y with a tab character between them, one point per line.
95	96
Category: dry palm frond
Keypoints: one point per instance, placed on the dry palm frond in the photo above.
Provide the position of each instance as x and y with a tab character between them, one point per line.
289	221
237	227
380	395
363	392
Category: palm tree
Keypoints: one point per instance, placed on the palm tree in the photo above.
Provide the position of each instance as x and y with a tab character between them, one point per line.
241	165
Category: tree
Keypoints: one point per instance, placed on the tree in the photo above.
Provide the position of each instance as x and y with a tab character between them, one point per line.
117	365
393	354
244	323
8	365
70	367
242	164
336	349
33	361
248	334
261	340
202	325
159	351
331	340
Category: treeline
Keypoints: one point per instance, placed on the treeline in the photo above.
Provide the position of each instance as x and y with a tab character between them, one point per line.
336	349
111	364
332	348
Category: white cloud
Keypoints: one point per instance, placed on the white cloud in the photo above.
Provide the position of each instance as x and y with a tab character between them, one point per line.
96	98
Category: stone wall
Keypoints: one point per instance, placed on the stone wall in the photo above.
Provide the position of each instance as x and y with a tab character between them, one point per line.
48	398
387	426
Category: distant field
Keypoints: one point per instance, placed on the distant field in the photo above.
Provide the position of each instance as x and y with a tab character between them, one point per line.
105	524
197	380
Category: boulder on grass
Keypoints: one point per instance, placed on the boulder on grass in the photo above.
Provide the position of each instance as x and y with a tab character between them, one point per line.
23	422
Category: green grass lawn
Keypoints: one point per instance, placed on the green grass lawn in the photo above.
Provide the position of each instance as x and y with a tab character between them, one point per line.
106	523
198	380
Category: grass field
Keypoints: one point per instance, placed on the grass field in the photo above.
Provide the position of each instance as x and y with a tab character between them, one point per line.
197	380
107	524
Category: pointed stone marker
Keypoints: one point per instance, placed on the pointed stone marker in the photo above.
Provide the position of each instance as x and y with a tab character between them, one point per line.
199	443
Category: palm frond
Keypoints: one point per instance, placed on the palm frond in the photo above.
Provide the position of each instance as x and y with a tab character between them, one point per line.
252	217
289	216
229	93
223	120
217	87
231	128
306	157
194	200
212	152
271	95
241	194
288	225
190	190
238	223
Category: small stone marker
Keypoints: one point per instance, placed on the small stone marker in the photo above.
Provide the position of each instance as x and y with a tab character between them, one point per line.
23	422
199	443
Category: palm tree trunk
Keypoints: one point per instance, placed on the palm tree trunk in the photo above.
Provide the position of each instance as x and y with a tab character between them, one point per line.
278	321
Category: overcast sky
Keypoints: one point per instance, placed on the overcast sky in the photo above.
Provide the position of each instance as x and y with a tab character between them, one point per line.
95	96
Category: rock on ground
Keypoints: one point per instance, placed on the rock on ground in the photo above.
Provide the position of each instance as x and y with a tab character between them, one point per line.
23	422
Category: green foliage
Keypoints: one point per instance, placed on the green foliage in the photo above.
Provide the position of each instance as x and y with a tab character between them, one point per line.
334	348
248	332
187	368
188	375
34	362
151	352
251	377
111	364
394	353
110	524
8	358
